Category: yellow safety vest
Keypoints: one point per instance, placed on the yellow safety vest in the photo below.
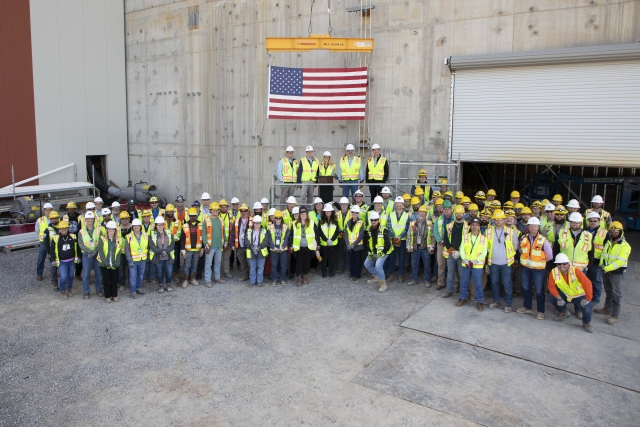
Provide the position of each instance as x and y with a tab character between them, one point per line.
343	219
249	242
310	236
571	290
379	242
615	256
73	241
352	235
139	251
281	244
225	218
154	239
289	171
411	237
376	172
41	226
105	243
326	171
398	225
474	250
91	240
598	242
328	230
579	255
309	170
383	219
350	173
605	217
508	244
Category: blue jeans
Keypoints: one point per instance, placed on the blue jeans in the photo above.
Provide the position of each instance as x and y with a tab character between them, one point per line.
595	275
89	264
453	265
215	256
533	278
348	189
586	310
67	271
425	256
135	275
375	266
465	280
398	252
500	273
279	263
164	266
256	269
191	262
150	272
42	255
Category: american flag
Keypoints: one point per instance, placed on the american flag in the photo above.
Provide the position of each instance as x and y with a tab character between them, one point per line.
317	93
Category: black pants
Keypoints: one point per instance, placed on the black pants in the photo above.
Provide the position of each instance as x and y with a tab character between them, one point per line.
110	280
355	263
374	190
328	254
79	267
292	264
124	269
303	261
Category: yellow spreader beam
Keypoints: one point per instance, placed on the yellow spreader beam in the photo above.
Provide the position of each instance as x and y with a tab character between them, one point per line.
318	41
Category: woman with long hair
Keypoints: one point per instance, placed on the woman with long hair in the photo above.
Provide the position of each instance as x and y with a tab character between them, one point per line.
327	238
304	245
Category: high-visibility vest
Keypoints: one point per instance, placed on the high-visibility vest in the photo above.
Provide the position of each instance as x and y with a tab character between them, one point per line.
473	249
41	226
364	209
398	225
188	245
426	187
154	239
546	229
309	170
605	217
508	244
352	235
181	216
383	219
376	172
289	171
104	247
573	289
579	255
237	227
175	227
465	229
209	229
534	256
326	171
598	242
615	255
390	207
272	230
72	242
225	217
343	218
91	240
315	217
287	218
328	229
379	242
249	243
350	173
411	236
310	235
148	228
139	251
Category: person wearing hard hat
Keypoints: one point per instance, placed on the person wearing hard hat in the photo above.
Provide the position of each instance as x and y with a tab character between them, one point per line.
287	214
596	206
536	208
471	211
147	227
398	223
546	222
453	235
440	226
406	198
136	249
421	246
576	243
559	223
342	216
287	173
227	221
573	206
181	211
308	174
613	262
132	210
443	187
354	230
191	244
491	195
377	208
49	232
125	229
257	243
304	245
350	172
379	249
517	208
73	217
88	239
599	236
205	201
459	197
161	244
480	198
415	205
377	171
234	214
358	198
316	213
98	203
326	169
279	248
502	245
556	200
419	193
515	197
295	214
155	208
110	247
525	215
421	182
569	284
238	232
326	233
106	216
213	243
388	205
272	213
64	256
41	226
473	253
265	207
174	225
115	212
535	253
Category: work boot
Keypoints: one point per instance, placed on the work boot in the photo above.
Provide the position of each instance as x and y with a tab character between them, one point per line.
480	306
161	290
186	281
427	285
439	287
208	284
494	305
274	283
540	316
193	281
612	320
524	310
69	293
107	300
305	279
587	327
447	295
412	282
560	315
260	284
579	315
507	309
63	295
434	279
134	295
472	298
243	278
100	293
140	291
219	281
228	276
169	288
383	286
374	280
461	302
390	278
39	278
85	296
114	299
401	279
298	281
602	311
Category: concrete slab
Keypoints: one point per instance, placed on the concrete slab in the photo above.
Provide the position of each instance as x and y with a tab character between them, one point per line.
567	347
493	389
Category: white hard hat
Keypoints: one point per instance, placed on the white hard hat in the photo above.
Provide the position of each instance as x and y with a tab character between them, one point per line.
399	199
550	207
375	147
309	148
292	199
136	221
290	148
597	199
593	215
533	221
317	200
115	205
350	147
575	217
235	200
264	200
344	200
378	199
98	200
573	203
89	214
385	190
205	196
295	210
257	218
358	192
90	205
106	211
47	206
327	208
374	215
355	208
257	205
561	259
111	224
272	211
327	154
159	220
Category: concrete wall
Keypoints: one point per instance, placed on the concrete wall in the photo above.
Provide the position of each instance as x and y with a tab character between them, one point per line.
218	140
80	86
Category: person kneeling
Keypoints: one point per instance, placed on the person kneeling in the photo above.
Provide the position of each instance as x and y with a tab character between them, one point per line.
569	284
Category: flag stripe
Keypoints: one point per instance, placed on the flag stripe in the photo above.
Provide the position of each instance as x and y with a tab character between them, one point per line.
305	114
317	109
333	70
305	102
312	79
278	117
350	86
357	73
306	99
321	82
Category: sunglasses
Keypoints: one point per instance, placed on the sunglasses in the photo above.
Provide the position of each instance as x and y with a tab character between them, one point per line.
563	263
375	220
358	195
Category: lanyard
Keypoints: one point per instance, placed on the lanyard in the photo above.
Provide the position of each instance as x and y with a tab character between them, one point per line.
474	243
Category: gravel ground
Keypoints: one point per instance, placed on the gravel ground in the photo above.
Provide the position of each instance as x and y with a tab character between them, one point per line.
229	355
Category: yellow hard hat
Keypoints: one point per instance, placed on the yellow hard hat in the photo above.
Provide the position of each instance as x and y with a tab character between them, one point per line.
459	194
214	206
63	224
508	204
442	181
519	206
536	204
448	193
278	214
406	197
560	210
473	207
243	207
223	202
466	199
422	208
124	214
146	212
480	195
616	225
72	205
499	214
510	213
193	211
54	214
415	200
436	194
170	208
557	198
496	204
418	191
491	192
485	212
526	211
515	194
544	203
153	199
439	202
459	209
422	172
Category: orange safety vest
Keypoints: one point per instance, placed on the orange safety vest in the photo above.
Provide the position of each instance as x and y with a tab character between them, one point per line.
187	238
237	243
533	257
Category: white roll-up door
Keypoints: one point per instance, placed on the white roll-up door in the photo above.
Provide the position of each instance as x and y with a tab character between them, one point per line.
567	113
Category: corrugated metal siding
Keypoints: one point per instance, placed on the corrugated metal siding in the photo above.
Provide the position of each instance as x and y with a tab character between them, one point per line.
17	114
578	114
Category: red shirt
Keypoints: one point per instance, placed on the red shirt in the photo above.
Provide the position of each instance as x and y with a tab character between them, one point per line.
584	281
